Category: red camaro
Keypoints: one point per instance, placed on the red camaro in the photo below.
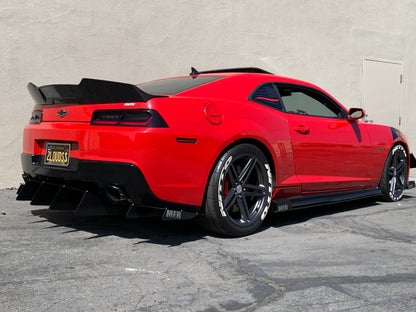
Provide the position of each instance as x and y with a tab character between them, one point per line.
225	146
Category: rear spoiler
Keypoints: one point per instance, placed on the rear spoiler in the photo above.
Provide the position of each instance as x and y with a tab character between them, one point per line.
88	91
255	70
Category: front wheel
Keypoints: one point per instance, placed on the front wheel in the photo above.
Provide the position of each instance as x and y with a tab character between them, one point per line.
239	192
394	178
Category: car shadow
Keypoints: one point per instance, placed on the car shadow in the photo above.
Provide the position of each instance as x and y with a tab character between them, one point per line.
174	233
151	230
303	215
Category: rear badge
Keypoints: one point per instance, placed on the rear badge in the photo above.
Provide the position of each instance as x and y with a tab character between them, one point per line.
62	113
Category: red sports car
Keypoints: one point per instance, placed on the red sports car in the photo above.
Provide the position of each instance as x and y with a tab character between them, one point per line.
225	146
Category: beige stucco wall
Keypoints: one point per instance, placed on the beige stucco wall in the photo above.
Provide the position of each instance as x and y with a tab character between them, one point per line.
320	41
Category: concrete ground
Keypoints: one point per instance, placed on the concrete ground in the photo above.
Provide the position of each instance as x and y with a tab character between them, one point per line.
358	256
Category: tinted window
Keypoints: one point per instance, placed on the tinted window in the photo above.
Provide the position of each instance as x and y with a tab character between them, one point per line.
302	101
267	94
173	86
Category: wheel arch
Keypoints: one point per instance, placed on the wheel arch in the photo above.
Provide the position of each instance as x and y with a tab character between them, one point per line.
406	147
390	148
402	143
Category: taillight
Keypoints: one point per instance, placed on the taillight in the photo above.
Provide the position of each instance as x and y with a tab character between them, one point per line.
36	117
129	118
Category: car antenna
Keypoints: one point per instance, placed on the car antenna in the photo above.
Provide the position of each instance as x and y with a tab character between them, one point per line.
194	72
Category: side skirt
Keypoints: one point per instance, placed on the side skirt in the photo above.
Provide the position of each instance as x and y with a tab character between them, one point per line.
306	201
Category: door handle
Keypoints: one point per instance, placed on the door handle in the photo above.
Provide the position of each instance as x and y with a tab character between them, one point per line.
302	129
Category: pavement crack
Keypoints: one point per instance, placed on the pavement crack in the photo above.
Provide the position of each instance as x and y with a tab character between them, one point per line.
264	289
277	292
296	284
366	228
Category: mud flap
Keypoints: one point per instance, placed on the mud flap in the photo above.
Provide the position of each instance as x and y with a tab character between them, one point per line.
412	161
170	214
410	184
280	205
135	212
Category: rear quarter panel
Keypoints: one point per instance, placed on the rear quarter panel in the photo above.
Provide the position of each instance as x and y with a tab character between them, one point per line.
190	165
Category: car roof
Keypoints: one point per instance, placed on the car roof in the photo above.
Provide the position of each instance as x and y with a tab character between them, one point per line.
234	83
251	73
238	85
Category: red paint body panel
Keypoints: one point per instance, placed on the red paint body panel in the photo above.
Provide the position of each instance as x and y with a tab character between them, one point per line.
326	156
331	155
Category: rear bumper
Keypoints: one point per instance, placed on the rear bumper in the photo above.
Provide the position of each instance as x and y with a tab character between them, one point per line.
98	177
174	171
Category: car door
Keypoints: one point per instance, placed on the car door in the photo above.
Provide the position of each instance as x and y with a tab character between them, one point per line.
330	151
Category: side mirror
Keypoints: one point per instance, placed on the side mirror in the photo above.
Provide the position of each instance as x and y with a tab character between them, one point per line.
355	114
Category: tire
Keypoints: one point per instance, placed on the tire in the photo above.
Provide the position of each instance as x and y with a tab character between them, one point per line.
239	192
394	178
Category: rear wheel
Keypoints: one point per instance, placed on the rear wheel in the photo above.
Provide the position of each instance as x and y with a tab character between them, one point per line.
239	192
394	178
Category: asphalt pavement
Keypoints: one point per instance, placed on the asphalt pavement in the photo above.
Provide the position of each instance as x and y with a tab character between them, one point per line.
357	256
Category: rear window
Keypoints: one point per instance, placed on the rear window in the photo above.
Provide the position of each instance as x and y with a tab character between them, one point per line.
173	86
267	94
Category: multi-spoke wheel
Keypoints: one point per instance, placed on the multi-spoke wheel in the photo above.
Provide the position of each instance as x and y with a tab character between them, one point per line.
394	178
239	192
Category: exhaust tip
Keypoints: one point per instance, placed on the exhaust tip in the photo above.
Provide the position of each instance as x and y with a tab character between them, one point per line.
116	194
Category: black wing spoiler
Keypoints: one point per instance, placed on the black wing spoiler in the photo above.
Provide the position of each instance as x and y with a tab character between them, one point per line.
88	91
255	70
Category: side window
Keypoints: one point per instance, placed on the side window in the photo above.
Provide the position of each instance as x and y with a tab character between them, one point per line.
268	95
303	101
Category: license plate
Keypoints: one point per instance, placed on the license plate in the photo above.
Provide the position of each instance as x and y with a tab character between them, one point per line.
57	154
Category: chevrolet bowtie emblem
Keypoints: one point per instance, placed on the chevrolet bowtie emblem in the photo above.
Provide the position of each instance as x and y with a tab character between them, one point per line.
62	113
